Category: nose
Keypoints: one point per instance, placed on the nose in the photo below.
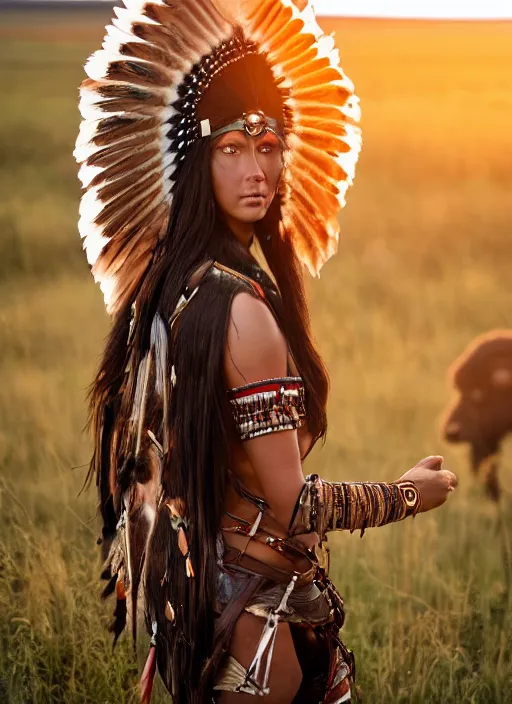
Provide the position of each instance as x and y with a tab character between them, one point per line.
254	170
452	431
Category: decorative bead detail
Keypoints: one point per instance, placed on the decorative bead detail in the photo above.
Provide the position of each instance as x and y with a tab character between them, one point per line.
326	506
268	406
169	612
180	525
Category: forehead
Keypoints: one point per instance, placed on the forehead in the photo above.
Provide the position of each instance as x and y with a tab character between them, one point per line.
243	136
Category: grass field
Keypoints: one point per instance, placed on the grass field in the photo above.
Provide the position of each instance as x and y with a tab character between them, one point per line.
424	265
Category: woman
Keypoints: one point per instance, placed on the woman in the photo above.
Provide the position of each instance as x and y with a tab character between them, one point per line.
211	133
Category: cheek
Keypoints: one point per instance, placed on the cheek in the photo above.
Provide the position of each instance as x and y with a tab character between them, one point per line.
274	180
273	173
223	182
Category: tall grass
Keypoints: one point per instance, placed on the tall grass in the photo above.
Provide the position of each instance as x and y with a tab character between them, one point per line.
424	265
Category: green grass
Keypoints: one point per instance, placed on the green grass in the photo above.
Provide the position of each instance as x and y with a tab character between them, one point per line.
424	265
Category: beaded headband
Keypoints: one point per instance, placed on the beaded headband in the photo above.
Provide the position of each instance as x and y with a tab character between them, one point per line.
254	124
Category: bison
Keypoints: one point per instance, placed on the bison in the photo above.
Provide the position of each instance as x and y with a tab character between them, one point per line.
482	412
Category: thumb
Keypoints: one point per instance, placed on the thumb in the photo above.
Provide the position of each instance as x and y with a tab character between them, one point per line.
434	462
450	477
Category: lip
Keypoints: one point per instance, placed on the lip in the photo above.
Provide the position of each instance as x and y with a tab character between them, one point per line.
253	199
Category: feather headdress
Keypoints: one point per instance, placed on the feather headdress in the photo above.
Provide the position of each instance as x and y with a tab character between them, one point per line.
140	106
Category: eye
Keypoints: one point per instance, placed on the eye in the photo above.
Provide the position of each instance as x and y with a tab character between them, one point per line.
229	149
269	144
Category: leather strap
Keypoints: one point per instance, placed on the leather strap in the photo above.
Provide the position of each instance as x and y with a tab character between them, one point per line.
236	606
235	557
254	284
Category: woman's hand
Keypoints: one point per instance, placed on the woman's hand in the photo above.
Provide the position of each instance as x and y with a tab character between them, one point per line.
433	482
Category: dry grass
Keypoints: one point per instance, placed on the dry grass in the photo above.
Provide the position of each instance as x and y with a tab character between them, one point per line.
424	265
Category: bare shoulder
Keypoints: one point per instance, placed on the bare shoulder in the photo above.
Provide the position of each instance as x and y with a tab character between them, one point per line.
255	346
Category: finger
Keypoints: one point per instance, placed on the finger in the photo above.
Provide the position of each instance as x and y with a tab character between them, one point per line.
453	479
450	478
434	462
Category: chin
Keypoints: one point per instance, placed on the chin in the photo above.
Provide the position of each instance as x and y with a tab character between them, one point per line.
250	215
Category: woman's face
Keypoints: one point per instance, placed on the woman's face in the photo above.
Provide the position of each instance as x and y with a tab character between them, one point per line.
245	175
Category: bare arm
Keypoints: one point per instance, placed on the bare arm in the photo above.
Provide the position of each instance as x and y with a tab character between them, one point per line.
256	350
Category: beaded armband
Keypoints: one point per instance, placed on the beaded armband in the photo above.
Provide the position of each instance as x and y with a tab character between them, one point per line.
325	506
268	406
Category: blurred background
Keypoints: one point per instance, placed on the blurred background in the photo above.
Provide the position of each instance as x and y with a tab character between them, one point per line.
424	265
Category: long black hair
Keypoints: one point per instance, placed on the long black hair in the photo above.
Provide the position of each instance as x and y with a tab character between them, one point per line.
194	468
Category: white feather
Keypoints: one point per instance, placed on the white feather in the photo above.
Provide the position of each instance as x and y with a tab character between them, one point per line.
93	245
165	141
87	173
126	17
90	106
169	172
166	190
97	64
90	205
86	228
165	114
327	47
159	344
108	285
119	35
168	161
308	15
86	133
155	160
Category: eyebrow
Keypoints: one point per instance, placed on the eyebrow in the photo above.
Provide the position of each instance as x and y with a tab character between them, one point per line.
267	135
230	136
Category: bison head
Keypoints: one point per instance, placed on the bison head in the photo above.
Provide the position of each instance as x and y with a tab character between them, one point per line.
482	413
